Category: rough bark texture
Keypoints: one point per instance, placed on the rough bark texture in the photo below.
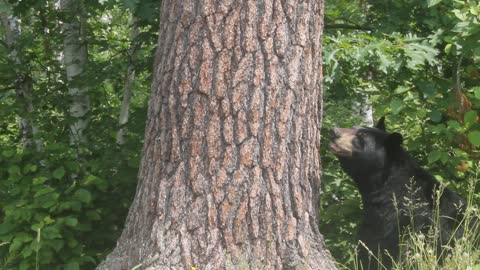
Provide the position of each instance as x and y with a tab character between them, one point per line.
230	174
75	59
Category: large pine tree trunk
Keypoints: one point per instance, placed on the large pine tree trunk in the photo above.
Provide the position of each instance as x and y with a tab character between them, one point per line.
230	174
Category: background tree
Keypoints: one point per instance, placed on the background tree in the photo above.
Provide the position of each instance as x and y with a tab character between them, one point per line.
75	57
23	79
230	171
129	81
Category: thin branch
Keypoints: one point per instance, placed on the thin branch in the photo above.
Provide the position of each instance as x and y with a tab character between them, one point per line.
348	26
7	88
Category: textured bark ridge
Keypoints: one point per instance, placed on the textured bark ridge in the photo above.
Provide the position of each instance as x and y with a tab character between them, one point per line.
231	173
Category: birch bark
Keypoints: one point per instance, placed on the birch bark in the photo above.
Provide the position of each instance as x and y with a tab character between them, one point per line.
75	61
128	86
23	82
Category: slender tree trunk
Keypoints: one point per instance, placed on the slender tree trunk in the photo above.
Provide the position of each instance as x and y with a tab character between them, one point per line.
128	87
230	173
362	107
75	61
23	82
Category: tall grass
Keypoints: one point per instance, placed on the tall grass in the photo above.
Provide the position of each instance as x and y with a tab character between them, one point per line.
423	250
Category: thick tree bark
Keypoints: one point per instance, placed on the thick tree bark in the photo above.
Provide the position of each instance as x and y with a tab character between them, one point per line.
230	174
75	59
128	86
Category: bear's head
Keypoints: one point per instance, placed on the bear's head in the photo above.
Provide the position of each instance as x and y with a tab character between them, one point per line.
364	151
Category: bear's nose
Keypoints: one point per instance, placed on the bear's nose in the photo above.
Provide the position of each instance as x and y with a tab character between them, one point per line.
333	134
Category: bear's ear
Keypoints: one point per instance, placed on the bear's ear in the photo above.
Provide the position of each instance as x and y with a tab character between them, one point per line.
393	142
381	123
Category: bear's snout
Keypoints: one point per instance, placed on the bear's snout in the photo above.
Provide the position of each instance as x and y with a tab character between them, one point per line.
333	134
341	141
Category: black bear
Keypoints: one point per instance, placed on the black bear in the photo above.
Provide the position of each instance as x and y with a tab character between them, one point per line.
396	192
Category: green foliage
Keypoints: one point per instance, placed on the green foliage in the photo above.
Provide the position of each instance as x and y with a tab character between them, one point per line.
75	209
422	250
62	206
418	66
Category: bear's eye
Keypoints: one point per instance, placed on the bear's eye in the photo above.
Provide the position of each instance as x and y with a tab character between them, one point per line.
358	142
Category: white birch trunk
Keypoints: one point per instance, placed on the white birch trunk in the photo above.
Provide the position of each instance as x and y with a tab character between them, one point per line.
362	107
75	60
23	81
128	86
364	110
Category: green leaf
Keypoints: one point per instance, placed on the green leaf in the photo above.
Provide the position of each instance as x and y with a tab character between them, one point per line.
27	251
24	265
37	226
435	116
401	89
476	90
93	215
474	137
5	8
396	105
23	237
16	245
418	54
6	228
8	153
454	125
29	168
428	89
130	4
448	48
39	180
431	3
470	118
434	156
72	242
59	173
83	195
51	232
48	220
71	221
460	15
72	266
14	170
97	181
476	52
56	244
43	191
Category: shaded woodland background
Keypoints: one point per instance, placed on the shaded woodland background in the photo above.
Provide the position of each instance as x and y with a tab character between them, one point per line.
64	196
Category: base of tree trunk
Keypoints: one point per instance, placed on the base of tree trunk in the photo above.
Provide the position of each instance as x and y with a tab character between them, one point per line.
314	257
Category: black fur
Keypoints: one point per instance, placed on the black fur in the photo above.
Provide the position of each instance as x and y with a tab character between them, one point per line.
395	191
